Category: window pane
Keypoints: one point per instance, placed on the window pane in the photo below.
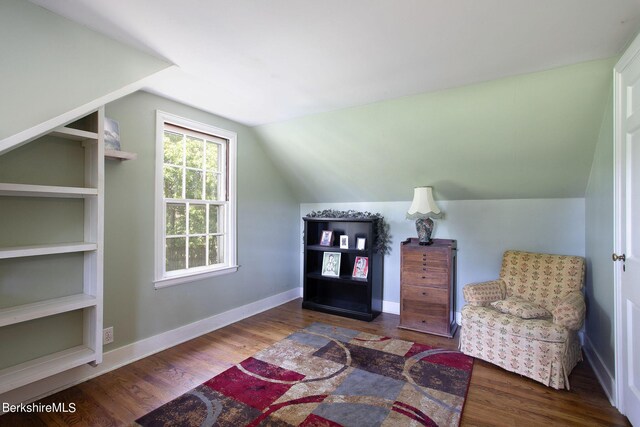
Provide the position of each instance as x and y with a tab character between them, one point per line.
197	251
173	148
195	152
172	182
176	253
194	185
197	219
212	186
213	153
214	219
216	250
176	219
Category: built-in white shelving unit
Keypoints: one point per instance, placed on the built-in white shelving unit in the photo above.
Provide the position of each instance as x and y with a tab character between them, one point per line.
119	155
42	367
38	250
36	310
28	190
88	131
74	134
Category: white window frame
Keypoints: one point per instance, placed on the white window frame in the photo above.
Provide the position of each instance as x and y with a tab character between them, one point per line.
230	265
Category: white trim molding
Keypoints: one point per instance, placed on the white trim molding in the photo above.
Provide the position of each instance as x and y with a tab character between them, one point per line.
162	278
140	349
172	281
619	156
390	307
607	381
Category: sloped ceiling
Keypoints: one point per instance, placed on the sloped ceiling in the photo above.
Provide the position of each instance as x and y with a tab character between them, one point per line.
530	136
259	62
50	65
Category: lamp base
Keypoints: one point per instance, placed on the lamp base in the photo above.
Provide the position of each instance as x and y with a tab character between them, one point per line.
424	227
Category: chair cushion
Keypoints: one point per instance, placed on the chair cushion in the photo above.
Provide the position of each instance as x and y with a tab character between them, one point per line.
507	324
541	278
520	308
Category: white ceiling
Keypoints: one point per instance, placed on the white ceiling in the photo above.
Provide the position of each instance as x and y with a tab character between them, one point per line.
264	61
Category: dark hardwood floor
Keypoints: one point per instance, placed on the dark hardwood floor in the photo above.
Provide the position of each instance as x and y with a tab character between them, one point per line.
496	397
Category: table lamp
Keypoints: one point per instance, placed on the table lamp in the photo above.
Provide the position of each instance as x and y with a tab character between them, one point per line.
422	209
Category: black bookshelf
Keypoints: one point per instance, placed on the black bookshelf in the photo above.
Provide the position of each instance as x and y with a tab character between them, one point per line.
345	296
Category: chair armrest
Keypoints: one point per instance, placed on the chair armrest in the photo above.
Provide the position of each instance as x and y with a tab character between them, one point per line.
570	311
482	294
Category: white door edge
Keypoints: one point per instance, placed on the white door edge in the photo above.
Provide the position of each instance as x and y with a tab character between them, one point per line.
617	238
632	51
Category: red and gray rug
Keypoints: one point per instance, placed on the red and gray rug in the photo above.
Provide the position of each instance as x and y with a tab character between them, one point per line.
329	376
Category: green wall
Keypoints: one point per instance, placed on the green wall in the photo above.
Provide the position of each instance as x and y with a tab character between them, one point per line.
529	136
484	229
51	65
267	230
599	244
268	238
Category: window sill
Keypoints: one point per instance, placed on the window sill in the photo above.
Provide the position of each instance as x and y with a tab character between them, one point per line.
192	277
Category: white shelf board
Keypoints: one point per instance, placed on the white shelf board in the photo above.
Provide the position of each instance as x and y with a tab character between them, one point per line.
119	155
28	190
36	310
25	251
42	367
74	134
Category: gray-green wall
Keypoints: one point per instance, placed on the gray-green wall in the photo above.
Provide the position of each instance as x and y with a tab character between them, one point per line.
268	239
484	229
524	137
267	231
599	244
51	65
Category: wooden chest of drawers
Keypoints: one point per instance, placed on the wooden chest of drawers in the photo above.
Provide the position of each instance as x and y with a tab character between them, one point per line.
428	287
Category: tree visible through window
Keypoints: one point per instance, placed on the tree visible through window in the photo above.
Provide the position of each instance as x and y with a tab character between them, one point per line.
195	201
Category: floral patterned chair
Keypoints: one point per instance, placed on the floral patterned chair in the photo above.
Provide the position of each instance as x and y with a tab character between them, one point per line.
527	321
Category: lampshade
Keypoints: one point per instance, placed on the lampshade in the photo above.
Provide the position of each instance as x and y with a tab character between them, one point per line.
423	205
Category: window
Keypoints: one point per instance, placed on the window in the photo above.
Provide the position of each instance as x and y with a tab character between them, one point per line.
195	200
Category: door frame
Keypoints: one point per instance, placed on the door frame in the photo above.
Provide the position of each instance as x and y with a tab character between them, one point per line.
632	51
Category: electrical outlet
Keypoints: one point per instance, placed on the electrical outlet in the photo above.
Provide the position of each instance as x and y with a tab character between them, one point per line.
107	335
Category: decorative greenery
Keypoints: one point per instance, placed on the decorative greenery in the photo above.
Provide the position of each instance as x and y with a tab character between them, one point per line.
383	238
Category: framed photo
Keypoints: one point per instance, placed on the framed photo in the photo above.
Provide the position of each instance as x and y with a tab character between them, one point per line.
327	238
111	134
360	243
344	242
361	267
331	264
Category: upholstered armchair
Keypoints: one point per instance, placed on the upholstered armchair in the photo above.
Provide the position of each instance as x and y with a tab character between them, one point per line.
527	321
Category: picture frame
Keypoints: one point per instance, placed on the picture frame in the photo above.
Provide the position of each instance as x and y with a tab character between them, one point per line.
344	242
331	264
327	238
111	134
361	268
361	243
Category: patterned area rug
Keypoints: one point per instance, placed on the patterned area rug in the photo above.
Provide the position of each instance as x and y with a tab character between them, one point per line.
328	376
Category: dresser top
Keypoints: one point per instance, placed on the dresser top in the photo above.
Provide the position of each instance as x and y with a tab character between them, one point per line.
437	243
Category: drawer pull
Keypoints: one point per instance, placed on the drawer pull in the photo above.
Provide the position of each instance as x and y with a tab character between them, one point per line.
424	321
424	263
424	293
423	277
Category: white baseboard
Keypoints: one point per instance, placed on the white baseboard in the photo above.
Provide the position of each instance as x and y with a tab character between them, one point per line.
605	378
140	349
390	307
